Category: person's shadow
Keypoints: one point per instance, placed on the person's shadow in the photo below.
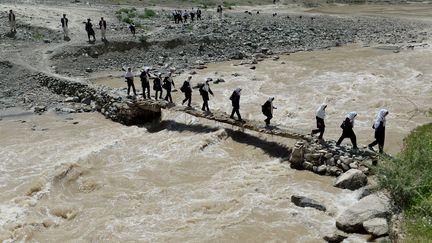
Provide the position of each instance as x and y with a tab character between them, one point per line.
105	41
66	38
92	42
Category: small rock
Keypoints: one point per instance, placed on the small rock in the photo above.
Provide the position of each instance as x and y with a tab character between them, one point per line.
352	179
335	238
307	202
322	169
39	109
89	70
71	99
377	227
86	101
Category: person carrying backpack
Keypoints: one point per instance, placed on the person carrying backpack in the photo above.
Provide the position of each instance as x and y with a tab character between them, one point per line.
167	84
157	86
320	115
267	110
379	126
347	130
145	81
187	90
204	92
235	101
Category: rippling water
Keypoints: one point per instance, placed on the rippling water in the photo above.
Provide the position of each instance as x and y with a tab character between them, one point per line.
189	179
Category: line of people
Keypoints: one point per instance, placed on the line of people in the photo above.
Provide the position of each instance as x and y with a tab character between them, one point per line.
182	16
267	108
347	127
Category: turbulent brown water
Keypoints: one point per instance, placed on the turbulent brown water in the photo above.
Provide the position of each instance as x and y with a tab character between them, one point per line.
193	180
350	78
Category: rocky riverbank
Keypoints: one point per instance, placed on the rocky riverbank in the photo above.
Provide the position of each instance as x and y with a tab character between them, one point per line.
237	36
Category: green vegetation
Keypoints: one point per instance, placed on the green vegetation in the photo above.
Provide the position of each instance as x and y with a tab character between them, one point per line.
409	181
132	15
148	13
38	36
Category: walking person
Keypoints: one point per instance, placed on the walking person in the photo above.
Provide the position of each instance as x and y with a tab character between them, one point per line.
267	110
64	22
90	30
235	101
103	27
379	126
130	81
219	11
347	130
192	15
187	90
157	86
198	14
204	92
185	16
132	28
12	21
320	115
145	82
167	84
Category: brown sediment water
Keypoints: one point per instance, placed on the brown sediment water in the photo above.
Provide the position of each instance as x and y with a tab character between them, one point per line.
187	180
350	78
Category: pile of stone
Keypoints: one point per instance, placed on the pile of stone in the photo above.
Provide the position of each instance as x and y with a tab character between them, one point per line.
112	103
328	159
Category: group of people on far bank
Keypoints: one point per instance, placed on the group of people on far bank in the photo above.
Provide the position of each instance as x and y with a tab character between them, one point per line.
166	82
88	28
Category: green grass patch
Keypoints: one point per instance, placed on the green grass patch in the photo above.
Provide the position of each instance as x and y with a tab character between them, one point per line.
38	36
408	178
148	13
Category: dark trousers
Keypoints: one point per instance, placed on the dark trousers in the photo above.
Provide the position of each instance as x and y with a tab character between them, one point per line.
348	134
198	17
379	139
91	34
145	86
205	105
320	126
130	84
188	97
168	96
269	117
236	110
160	94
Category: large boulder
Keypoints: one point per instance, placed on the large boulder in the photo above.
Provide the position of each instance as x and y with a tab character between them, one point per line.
352	179
297	155
369	207
377	227
307	202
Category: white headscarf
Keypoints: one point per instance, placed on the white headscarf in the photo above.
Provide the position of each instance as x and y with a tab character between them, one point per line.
381	117
238	90
351	117
321	111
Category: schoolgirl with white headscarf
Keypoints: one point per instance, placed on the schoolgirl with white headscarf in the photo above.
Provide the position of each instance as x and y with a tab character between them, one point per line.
347	129
320	115
379	126
267	110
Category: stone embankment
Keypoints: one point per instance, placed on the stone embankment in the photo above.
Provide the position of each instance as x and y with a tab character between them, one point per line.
110	102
